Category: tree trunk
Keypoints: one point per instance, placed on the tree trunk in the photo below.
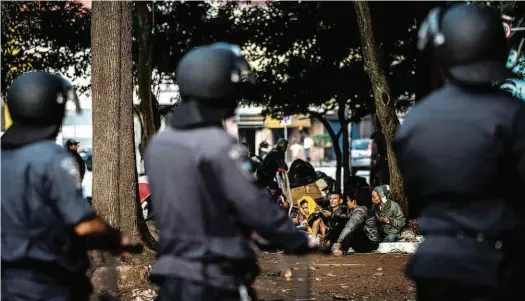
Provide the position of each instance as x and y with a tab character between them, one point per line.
337	150
384	103
115	193
341	114
145	52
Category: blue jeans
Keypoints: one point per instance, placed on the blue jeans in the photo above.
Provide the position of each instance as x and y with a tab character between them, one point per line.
392	238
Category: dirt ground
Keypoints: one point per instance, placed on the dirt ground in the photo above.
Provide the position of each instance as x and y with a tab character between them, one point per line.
370	277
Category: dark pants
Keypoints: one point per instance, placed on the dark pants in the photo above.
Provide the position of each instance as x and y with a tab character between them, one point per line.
32	285
177	289
429	289
359	241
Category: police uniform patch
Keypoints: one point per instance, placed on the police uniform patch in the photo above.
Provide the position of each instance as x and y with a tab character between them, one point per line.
71	167
238	154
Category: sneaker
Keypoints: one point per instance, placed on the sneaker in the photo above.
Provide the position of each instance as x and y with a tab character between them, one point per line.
350	251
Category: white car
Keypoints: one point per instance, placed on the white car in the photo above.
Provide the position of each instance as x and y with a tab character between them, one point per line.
361	155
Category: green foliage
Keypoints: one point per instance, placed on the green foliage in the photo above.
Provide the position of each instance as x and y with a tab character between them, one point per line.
44	35
322	140
308	53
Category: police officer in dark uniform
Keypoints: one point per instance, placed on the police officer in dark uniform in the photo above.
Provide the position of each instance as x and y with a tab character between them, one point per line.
72	146
47	225
457	150
205	202
272	163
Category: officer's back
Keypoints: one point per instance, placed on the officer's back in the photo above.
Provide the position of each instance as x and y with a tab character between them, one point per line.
47	225
462	154
205	202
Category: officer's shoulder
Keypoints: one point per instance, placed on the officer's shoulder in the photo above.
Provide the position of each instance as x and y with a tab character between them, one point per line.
218	139
48	150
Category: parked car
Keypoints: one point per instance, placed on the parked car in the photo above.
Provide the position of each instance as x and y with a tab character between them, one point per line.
361	155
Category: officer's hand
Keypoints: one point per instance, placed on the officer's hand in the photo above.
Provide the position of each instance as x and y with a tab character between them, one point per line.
313	242
127	247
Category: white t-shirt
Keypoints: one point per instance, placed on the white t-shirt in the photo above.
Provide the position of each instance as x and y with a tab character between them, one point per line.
308	143
295	149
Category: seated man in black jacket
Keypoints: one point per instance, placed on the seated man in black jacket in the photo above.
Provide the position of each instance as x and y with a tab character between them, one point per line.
360	232
335	217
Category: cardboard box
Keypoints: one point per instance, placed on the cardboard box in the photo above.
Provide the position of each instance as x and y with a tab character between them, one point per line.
309	190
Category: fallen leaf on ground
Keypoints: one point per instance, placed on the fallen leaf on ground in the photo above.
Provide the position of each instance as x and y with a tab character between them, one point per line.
288	274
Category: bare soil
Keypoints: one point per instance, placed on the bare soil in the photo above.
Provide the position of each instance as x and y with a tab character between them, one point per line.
370	277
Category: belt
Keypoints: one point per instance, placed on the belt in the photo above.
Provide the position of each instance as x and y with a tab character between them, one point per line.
495	241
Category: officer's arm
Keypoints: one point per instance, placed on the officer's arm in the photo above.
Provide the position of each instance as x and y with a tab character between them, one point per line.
230	180
518	134
76	212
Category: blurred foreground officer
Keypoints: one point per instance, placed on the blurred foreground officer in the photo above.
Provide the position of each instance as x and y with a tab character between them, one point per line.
206	205
47	225
457	150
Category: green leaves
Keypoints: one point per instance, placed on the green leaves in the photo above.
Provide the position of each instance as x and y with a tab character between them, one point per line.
44	35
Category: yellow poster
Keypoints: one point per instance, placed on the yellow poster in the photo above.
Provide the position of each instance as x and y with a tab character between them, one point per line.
7	118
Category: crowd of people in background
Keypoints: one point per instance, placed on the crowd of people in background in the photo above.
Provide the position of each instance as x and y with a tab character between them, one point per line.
343	223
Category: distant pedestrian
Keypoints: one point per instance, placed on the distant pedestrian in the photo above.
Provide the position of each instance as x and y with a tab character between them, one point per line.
308	143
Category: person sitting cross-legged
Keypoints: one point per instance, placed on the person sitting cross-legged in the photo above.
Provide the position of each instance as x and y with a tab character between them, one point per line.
360	232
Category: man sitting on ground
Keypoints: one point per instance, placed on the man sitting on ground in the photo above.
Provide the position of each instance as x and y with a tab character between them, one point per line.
360	232
388	213
335	217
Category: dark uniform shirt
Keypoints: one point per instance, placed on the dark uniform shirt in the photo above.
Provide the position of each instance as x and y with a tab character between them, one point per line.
462	154
206	206
41	203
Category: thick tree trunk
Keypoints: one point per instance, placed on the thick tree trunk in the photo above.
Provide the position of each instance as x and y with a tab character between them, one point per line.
115	193
106	30
384	103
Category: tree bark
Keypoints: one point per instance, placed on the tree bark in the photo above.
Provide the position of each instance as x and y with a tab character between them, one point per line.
115	193
384	103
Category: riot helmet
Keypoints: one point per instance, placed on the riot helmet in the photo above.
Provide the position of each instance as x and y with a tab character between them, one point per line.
211	80
469	43
37	103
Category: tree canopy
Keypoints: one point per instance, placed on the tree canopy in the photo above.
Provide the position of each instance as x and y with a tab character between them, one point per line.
44	35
